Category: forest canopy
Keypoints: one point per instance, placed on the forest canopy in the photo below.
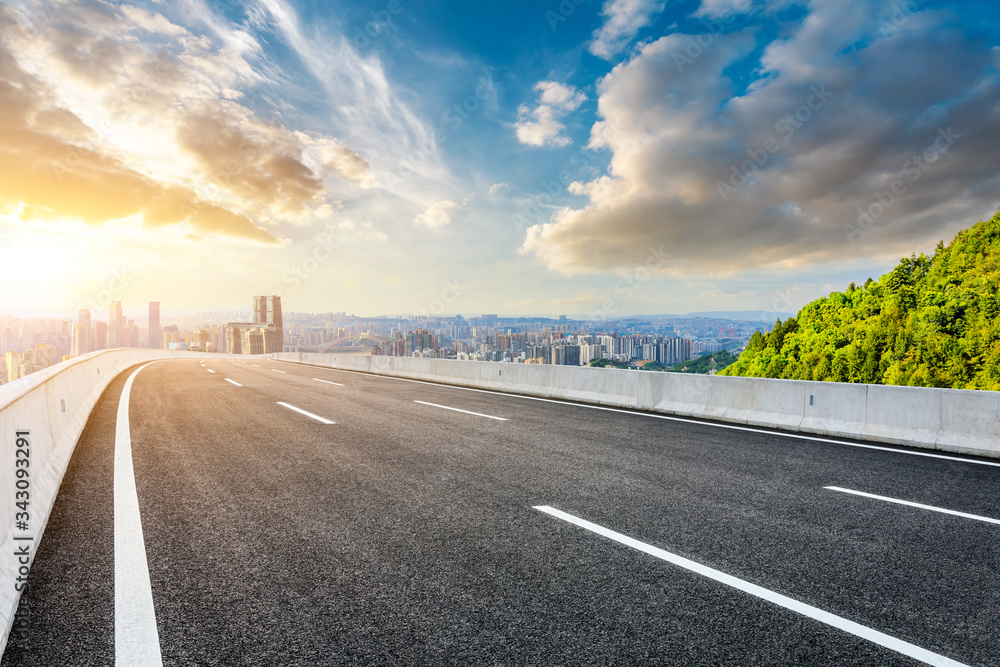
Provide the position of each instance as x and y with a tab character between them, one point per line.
930	322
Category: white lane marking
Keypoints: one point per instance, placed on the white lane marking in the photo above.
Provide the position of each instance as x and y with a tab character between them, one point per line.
307	414
277	371
210	370
732	427
328	382
478	414
255	365
809	611
137	642
234	382
910	504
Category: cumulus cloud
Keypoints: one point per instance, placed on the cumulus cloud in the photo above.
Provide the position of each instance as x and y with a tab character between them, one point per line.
622	21
116	76
726	8
542	126
437	216
776	175
48	169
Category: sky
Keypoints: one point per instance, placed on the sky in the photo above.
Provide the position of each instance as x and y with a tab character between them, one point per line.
583	157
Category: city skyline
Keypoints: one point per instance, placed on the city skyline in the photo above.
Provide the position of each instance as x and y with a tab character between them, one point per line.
591	159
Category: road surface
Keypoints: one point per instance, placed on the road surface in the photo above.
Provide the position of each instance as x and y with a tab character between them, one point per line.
294	515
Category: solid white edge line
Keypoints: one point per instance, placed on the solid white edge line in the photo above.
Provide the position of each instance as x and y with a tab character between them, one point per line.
234	382
137	642
685	420
478	414
809	611
307	414
328	382
277	371
912	504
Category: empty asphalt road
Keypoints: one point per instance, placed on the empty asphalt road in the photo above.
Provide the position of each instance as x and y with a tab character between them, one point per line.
293	515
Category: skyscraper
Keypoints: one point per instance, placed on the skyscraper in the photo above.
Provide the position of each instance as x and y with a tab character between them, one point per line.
116	326
155	332
267	312
81	336
100	336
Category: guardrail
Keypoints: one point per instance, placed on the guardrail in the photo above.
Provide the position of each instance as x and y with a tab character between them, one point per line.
955	420
41	419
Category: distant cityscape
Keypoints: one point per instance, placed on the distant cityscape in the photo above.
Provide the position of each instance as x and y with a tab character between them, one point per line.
30	345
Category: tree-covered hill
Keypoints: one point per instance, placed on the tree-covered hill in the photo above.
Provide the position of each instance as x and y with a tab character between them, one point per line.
713	361
931	322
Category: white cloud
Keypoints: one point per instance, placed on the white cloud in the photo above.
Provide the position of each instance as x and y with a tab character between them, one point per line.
366	108
559	95
121	75
499	188
724	8
772	176
437	216
542	126
622	21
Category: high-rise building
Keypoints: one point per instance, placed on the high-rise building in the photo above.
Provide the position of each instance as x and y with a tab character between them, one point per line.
116	326
155	332
171	334
267	311
81	336
199	340
234	340
100	336
131	336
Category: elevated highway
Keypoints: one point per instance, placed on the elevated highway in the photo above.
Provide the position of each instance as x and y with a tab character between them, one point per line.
295	515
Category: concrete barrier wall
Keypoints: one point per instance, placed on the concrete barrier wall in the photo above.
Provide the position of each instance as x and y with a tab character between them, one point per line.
955	420
53	406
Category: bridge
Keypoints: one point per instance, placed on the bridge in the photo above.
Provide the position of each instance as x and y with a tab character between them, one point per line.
370	340
308	509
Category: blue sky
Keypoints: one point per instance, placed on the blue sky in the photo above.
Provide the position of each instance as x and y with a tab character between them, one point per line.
585	157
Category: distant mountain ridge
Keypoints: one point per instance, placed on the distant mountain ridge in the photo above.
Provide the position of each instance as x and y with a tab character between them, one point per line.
930	322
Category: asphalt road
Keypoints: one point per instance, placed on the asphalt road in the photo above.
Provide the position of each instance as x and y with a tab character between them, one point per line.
406	532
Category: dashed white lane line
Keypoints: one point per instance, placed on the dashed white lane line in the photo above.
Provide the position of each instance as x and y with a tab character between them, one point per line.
234	382
137	643
307	414
809	611
911	504
255	365
478	414
277	371
328	382
210	370
749	429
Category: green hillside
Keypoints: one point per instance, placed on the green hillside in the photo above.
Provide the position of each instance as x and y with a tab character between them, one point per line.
931	322
713	361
